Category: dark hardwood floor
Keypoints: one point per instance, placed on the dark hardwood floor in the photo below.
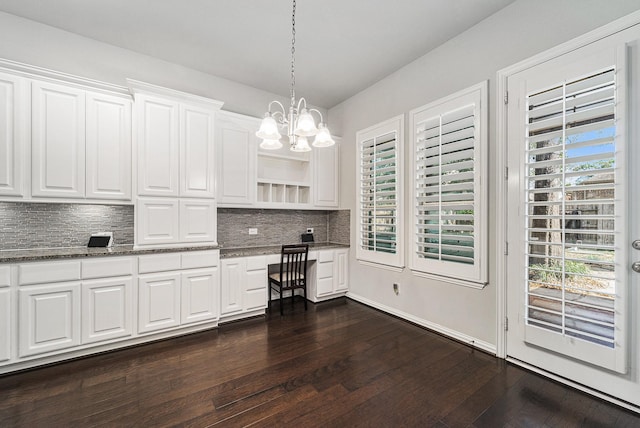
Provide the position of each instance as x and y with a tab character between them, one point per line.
341	364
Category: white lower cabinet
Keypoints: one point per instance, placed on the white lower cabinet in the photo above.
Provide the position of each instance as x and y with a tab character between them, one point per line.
49	318
331	273
158	301
177	289
5	324
106	309
243	287
200	290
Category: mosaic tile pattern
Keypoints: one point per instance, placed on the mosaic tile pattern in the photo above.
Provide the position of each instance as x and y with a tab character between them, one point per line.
340	226
275	227
25	225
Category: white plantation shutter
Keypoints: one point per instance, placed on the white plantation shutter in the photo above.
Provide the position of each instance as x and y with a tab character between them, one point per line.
571	223
449	187
380	193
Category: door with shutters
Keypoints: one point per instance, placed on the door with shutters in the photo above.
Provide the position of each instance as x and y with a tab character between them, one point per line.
572	296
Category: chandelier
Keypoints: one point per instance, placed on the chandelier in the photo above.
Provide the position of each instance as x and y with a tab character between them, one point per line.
299	122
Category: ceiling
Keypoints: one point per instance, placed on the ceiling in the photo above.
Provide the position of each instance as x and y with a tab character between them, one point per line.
342	46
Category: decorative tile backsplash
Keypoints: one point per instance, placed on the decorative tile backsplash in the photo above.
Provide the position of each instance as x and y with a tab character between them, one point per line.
340	226
25	225
277	227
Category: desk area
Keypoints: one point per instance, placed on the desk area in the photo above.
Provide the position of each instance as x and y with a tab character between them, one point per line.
244	271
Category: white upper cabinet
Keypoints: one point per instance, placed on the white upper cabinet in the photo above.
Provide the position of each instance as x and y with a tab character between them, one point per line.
58	141
175	142
108	147
236	146
64	139
14	133
197	174
326	175
158	145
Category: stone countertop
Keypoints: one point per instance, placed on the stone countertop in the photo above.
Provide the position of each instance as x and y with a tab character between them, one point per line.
227	253
38	254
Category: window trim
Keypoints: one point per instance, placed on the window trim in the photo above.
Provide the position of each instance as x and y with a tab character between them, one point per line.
394	124
475	276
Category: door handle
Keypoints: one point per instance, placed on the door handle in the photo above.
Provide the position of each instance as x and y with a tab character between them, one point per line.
636	267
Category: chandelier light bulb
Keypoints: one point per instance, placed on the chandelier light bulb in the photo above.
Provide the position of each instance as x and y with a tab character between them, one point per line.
305	126
271	144
323	137
301	145
268	129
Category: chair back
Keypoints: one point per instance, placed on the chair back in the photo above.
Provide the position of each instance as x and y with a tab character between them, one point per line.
293	265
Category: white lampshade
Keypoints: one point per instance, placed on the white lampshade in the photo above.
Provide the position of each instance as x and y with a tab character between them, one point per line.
323	137
301	145
305	125
268	129
271	144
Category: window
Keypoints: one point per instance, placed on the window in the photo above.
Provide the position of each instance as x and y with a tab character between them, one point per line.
450	187
380	193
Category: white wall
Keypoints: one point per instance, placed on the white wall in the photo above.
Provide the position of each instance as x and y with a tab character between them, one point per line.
517	32
33	43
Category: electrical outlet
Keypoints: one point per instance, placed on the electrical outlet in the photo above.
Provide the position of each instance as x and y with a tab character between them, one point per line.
309	229
396	288
253	231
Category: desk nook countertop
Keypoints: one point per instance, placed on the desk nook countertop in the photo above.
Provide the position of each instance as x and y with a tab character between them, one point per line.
227	253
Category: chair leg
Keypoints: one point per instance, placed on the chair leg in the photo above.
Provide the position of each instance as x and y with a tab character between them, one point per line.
304	292
281	305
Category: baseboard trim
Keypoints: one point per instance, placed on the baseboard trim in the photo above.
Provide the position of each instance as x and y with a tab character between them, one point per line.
456	335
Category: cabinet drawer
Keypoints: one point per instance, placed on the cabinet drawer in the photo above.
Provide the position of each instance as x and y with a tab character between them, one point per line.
36	273
256	263
159	262
325	270
103	268
325	256
200	259
5	276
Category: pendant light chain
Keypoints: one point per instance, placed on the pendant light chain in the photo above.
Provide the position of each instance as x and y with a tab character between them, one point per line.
293	55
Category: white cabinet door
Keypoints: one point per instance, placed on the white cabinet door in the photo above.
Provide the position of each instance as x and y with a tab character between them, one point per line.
341	270
231	285
255	294
49	318
158	146
108	147
197	220
236	146
200	295
325	185
158	301
106	309
197	173
158	221
14	133
324	284
58	141
5	324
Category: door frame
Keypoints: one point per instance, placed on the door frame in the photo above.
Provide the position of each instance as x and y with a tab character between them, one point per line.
502	246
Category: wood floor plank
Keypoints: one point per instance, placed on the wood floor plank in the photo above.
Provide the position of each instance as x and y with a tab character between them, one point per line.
338	364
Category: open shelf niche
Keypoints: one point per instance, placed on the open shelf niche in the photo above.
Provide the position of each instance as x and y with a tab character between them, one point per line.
284	177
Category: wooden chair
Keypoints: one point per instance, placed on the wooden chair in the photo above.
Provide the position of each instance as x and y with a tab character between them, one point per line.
292	275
